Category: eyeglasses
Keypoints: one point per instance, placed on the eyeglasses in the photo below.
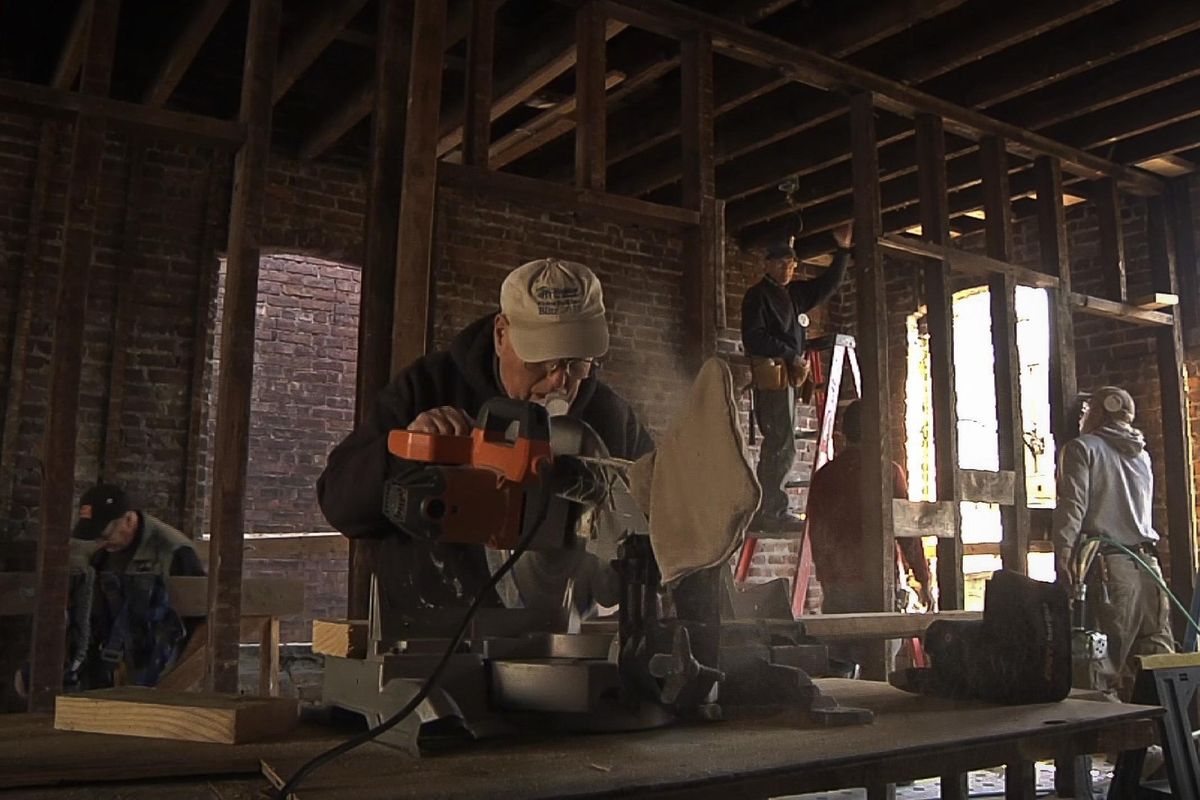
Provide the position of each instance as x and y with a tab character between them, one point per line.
576	368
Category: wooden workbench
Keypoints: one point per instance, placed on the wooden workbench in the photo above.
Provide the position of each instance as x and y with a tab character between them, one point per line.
912	737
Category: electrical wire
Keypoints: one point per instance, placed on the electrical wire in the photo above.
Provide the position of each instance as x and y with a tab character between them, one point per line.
1153	574
431	682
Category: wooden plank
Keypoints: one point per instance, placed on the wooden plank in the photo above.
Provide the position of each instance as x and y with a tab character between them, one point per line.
1112	242
237	348
1187	265
993	548
591	137
872	349
418	197
822	72
1103	307
70	60
183	52
983	486
332	128
384	180
44	100
481	46
1007	371
939	320
318	33
182	716
57	500
268	657
1165	233
557	196
1155	301
701	247
970	263
344	638
303	546
914	519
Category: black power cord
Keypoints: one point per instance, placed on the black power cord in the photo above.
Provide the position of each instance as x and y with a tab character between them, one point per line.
431	682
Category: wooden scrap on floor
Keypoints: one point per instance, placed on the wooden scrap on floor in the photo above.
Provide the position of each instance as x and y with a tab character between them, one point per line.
346	638
158	714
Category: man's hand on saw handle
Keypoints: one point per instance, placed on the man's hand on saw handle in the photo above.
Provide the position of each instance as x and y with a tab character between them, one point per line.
444	420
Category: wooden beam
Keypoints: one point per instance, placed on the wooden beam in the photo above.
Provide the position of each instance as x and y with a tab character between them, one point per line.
1166	141
874	23
1103	307
384	183
183	52
70	60
1002	289
481	41
317	34
1055	260
915	519
418	194
43	100
232	435
1155	301
872	348
557	196
1112	241
939	319
966	262
57	500
1166	232
591	138
984	486
878	625
701	249
1187	265
1125	120
344	638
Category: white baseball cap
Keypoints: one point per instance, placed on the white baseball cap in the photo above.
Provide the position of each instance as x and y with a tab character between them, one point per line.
555	309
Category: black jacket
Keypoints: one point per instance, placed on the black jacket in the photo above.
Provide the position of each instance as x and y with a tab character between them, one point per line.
770	311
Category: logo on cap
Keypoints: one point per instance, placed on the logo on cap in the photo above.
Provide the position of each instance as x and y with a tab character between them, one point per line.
556	291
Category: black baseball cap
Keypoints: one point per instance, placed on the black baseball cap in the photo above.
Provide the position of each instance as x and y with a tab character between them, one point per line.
780	248
99	506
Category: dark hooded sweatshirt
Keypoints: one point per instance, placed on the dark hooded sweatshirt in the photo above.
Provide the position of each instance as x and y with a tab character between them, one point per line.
350	490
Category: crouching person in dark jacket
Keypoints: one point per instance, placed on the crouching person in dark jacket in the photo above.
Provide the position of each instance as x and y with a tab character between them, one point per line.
543	346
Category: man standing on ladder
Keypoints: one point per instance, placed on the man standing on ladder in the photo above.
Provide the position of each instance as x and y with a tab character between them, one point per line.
774	318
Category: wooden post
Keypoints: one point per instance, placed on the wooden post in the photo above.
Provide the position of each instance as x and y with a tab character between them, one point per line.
418	198
1112	242
477	127
939	318
57	501
590	108
703	252
1166	233
237	349
1187	266
1003	291
876	488
1052	239
379	258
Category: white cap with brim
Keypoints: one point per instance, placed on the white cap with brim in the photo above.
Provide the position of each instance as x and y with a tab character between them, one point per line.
555	309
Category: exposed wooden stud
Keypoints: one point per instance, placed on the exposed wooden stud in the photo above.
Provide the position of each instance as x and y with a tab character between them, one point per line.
318	33
1002	290
70	61
1168	234
1052	241
418	196
481	46
1187	265
591	107
702	250
57	502
232	436
966	262
939	320
876	488
1112	240
384	179
1103	307
183	51
915	519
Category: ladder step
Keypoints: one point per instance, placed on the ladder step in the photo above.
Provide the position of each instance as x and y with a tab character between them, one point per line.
796	484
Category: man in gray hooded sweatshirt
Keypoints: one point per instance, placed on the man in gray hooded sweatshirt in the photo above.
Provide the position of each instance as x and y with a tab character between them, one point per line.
1106	488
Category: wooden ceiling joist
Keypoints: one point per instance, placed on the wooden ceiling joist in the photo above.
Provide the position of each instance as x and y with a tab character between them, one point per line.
1141	115
300	53
71	59
1177	138
183	51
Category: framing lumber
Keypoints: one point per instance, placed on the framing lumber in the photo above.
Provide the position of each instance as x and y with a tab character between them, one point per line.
418	192
1168	234
1125	120
872	348
985	486
1166	141
939	320
1187	265
702	250
57	501
46	101
879	624
963	261
237	348
70	60
384	182
481	47
591	110
183	52
344	638
319	32
1103	307
1014	546
559	197
915	519
1055	261
1112	241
